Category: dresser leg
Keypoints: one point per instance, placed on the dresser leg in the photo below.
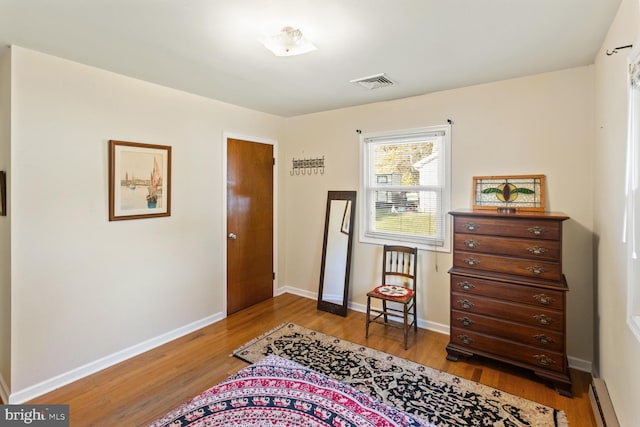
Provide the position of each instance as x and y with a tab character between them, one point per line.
561	384
564	389
454	354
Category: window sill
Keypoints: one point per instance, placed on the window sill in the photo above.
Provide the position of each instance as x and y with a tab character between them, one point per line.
399	241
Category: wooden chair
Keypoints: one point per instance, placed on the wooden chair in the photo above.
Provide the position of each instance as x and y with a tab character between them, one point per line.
399	279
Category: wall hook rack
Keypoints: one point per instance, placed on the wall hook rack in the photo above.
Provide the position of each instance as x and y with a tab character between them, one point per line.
307	166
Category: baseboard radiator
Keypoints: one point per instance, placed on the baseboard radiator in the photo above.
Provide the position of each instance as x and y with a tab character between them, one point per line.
601	404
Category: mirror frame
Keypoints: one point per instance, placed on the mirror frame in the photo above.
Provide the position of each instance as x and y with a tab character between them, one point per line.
340	309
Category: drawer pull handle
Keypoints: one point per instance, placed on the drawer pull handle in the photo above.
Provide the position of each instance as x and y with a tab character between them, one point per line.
536	231
465	339
471	244
543	339
466	304
543	319
466	286
465	321
471	262
471	226
543	359
535	269
543	299
537	250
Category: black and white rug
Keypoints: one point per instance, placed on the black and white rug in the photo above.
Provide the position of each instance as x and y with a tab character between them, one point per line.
440	398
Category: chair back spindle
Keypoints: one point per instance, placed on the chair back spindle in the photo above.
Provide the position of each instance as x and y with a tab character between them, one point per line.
399	267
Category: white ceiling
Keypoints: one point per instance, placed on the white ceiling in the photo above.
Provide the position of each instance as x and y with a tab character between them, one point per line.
210	47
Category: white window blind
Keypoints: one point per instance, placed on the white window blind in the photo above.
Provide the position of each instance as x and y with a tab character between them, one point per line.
633	148
405	186
632	201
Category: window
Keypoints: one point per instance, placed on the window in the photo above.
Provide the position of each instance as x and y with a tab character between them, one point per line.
405	186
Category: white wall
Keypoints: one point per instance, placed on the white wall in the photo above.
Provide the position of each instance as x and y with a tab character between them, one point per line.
85	288
5	229
617	350
541	124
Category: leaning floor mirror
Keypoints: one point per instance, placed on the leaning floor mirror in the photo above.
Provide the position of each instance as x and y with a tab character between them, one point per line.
333	294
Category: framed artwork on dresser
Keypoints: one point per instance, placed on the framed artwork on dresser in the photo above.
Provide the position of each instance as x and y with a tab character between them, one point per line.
509	193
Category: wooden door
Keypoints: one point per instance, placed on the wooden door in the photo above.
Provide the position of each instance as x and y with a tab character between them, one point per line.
249	223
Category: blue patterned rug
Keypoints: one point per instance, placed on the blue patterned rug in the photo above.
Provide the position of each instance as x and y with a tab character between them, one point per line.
438	397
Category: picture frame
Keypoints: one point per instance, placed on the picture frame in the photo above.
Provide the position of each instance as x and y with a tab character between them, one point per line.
139	180
509	193
3	193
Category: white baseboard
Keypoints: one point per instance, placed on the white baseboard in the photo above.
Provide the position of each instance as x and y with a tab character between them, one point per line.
296	291
58	381
424	324
580	364
431	326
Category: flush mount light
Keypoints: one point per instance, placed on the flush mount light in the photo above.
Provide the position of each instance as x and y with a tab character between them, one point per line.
288	42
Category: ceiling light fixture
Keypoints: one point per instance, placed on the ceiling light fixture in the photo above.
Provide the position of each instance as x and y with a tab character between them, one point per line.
288	42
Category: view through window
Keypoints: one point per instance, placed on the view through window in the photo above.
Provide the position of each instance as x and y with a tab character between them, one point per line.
405	183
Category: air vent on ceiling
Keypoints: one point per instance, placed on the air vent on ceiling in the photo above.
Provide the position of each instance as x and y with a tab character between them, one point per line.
374	82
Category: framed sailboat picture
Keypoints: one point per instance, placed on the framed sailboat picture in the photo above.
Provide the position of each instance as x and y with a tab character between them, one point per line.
139	180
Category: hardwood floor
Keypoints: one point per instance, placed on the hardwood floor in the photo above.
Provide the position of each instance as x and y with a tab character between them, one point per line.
143	388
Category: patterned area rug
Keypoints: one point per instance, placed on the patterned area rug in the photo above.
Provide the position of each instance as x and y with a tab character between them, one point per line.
438	397
278	392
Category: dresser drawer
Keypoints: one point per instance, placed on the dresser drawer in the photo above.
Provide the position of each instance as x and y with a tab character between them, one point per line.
508	227
523	248
539	297
542	318
533	336
508	349
538	269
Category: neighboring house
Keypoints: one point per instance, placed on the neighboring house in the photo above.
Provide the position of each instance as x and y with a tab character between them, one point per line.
427	168
79	293
393	201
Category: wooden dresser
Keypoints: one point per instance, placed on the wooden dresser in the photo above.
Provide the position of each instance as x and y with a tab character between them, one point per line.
508	291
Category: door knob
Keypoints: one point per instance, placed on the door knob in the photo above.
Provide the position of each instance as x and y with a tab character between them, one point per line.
233	236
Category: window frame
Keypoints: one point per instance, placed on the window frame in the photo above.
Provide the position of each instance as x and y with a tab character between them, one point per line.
366	208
